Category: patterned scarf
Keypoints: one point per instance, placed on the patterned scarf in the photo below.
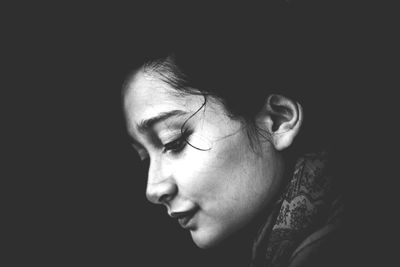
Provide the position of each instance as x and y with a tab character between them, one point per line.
309	202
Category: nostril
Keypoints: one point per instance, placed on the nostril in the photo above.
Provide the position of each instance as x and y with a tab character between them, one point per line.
164	199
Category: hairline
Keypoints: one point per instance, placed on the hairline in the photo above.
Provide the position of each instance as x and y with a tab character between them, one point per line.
158	69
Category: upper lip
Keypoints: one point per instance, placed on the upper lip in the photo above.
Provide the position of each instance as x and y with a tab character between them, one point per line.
181	214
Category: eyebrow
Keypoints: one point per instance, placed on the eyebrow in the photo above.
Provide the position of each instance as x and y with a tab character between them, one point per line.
146	124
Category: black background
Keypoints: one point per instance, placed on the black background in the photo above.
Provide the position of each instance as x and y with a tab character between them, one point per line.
75	188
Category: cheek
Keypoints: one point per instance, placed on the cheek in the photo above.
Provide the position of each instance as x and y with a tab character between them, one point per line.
216	174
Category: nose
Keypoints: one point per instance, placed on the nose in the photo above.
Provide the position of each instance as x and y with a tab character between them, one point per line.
161	187
161	192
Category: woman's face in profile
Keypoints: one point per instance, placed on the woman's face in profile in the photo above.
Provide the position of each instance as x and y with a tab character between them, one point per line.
202	168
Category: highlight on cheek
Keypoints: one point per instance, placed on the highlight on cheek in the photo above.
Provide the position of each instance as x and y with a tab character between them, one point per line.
143	155
141	152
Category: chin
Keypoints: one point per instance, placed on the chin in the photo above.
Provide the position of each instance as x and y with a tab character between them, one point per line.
206	239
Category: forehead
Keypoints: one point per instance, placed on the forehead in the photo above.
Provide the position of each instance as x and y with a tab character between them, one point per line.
147	96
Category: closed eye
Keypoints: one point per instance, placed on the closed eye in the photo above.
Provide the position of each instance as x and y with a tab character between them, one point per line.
178	144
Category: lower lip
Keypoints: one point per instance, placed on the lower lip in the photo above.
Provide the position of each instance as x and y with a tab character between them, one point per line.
187	221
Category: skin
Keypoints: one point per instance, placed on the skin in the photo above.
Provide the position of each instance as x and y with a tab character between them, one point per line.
224	180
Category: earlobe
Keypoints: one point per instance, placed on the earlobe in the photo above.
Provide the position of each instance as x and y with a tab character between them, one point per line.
282	117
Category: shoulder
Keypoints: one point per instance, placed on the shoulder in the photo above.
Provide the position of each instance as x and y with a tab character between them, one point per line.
322	248
323	245
306	229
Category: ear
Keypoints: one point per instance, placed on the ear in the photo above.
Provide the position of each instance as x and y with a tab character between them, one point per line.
282	118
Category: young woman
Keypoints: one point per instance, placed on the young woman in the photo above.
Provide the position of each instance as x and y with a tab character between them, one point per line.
218	126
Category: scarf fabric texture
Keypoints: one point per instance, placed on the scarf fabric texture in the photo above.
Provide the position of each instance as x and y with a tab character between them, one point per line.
309	210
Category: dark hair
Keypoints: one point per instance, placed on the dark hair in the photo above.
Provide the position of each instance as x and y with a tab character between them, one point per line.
241	67
188	76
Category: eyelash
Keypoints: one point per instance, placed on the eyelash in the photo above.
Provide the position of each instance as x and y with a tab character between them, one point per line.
178	144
